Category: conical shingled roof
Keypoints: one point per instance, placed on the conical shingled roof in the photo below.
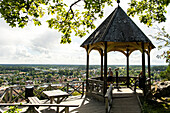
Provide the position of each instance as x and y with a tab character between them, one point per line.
120	32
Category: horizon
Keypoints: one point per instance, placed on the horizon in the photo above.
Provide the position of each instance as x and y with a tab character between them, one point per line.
79	64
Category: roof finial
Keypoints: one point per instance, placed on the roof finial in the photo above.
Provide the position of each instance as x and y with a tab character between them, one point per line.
118	1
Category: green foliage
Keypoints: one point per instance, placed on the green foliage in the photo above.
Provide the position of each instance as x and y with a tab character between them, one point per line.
64	18
149	11
163	36
166	74
150	106
75	93
158	68
13	109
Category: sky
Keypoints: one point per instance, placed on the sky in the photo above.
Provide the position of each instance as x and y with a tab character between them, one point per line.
41	45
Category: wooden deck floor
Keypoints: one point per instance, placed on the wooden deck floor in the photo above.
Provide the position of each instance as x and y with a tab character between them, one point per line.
124	101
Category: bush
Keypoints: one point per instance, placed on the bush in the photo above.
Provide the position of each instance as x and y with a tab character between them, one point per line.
13	109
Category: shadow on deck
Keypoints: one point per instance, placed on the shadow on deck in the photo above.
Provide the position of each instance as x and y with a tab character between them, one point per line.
124	101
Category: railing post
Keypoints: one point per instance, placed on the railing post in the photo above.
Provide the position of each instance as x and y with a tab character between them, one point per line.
135	86
117	79
10	97
67	87
66	109
82	89
49	86
6	96
92	85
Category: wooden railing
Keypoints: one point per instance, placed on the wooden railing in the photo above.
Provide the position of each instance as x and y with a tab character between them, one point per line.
32	108
121	80
75	86
147	85
96	86
109	99
17	93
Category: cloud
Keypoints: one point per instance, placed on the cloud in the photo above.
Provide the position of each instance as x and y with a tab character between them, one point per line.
42	45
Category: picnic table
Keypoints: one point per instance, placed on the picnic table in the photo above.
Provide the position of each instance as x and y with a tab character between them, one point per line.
59	94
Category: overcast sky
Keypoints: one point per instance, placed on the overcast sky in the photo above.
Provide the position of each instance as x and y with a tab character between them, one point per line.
41	45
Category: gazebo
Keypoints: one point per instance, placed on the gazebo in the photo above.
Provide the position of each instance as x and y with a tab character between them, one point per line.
117	33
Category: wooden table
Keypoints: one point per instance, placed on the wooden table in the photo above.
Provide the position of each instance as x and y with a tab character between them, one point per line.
60	95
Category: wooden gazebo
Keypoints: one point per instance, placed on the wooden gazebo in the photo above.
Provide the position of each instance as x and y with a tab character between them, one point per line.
117	33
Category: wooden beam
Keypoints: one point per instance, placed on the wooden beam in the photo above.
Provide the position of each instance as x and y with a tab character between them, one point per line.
87	70
149	70
143	68
101	64
105	69
127	68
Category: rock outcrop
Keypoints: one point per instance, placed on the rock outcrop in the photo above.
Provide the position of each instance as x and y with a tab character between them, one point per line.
162	90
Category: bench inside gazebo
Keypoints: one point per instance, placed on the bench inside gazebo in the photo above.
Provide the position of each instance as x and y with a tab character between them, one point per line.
116	33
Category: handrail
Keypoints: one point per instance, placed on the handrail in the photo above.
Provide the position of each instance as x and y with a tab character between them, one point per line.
16	93
32	107
147	85
19	104
109	99
96	86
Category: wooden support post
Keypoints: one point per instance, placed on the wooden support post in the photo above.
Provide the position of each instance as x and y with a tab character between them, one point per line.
149	73
101	64
105	69
128	68
82	89
143	68
117	82
87	70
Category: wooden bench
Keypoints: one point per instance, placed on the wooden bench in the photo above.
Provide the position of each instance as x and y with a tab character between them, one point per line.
109	99
34	100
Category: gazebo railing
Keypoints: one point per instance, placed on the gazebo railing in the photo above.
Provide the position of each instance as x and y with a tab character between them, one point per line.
121	80
96	86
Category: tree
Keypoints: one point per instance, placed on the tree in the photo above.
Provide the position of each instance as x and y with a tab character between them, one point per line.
163	36
66	16
149	12
166	74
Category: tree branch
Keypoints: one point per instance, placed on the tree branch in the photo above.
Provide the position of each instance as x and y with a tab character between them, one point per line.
71	9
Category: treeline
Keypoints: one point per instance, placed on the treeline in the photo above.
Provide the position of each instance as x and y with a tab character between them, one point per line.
12	68
31	67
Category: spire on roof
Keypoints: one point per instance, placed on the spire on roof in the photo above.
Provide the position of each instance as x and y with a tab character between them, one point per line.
118	1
